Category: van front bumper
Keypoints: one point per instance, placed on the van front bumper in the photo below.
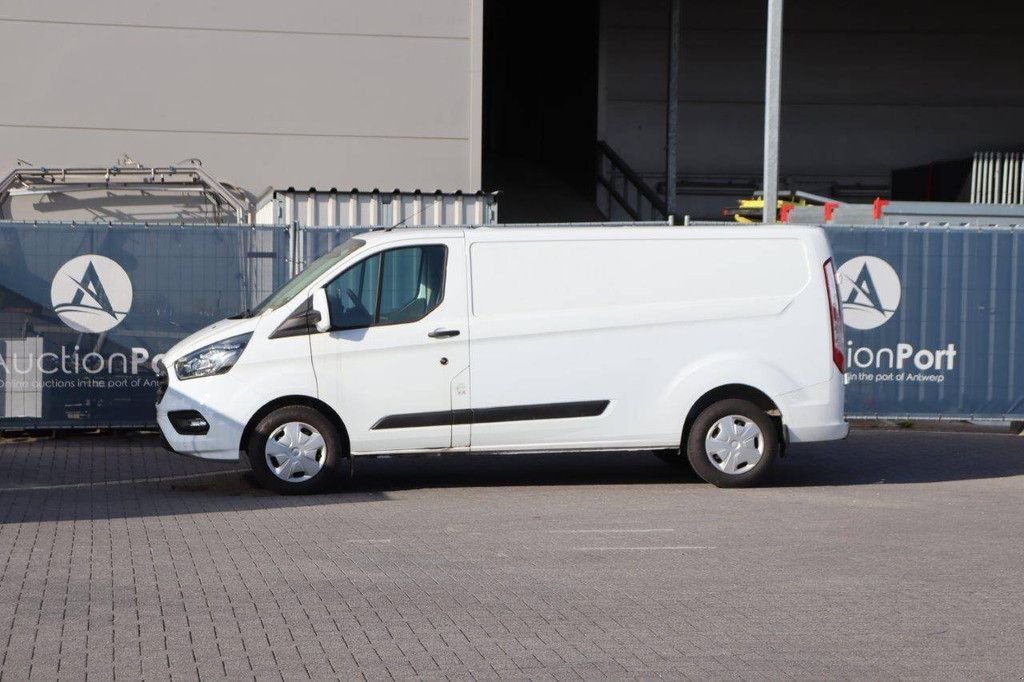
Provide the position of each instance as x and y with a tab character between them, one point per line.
178	418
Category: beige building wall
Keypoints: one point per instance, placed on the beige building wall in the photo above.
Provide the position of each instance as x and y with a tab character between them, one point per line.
305	93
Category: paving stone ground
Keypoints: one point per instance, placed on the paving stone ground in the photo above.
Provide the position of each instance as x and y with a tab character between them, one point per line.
892	554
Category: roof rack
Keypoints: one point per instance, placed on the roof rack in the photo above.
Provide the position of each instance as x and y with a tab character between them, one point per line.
188	176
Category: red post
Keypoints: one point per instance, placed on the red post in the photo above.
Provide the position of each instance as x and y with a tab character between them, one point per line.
830	208
877	207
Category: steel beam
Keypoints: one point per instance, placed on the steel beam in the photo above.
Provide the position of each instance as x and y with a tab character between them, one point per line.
772	82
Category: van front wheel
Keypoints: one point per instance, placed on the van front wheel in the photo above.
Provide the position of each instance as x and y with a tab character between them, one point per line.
296	450
732	443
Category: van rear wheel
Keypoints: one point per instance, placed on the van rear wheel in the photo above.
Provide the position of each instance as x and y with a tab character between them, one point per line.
732	443
297	450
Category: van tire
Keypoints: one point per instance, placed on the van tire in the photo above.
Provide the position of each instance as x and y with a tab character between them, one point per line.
705	425
334	459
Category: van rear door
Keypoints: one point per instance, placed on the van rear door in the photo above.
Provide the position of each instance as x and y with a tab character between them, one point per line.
400	341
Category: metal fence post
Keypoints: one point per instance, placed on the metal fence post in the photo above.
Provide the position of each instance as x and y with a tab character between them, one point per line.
293	246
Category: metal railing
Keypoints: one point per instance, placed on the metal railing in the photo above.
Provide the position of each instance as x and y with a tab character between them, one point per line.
183	178
996	178
625	188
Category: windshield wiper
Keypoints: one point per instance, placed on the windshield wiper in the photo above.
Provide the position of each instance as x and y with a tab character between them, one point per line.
242	315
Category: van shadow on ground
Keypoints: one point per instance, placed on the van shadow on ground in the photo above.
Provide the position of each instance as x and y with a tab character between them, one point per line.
866	457
104	478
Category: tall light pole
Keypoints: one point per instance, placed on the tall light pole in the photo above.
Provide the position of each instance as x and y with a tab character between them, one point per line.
772	81
672	108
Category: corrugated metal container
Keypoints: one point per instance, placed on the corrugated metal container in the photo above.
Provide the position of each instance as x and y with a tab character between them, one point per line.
996	178
911	214
356	208
844	214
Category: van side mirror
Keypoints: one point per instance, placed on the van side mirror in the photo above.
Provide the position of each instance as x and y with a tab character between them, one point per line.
322	310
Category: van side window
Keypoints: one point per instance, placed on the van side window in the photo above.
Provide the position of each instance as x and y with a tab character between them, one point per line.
352	295
393	287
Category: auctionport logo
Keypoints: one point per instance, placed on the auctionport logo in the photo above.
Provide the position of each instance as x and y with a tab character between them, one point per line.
869	290
91	294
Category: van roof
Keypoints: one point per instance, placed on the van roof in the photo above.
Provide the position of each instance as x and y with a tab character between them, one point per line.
592	231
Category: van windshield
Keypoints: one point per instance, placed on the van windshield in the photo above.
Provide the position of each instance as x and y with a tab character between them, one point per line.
304	278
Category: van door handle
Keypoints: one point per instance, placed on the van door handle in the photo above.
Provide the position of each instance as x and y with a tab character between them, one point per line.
443	333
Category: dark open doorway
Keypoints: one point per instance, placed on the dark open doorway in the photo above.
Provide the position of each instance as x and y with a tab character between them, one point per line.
540	108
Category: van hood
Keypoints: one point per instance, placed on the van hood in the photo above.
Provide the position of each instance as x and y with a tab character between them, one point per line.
218	331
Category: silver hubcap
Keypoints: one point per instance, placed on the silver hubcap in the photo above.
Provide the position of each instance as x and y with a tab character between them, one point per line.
734	444
296	452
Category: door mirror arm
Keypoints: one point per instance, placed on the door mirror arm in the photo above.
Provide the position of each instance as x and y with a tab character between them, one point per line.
320	311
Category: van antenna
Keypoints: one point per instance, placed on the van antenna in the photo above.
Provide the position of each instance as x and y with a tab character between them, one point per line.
409	217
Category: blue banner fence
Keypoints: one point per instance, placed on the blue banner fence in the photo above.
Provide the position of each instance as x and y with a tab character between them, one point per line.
934	321
933	316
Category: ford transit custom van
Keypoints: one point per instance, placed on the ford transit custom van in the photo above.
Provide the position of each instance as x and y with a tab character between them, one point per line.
712	346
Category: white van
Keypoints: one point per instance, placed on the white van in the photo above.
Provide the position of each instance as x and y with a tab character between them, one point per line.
713	345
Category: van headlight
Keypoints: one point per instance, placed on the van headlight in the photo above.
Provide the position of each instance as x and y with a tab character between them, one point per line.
216	358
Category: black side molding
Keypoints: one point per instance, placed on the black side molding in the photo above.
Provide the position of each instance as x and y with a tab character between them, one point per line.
487	415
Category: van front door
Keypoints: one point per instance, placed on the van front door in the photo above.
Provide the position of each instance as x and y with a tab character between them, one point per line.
399	346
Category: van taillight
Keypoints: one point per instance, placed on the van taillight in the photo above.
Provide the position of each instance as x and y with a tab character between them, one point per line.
835	315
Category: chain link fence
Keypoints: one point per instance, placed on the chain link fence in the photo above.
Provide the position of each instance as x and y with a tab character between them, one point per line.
934	317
